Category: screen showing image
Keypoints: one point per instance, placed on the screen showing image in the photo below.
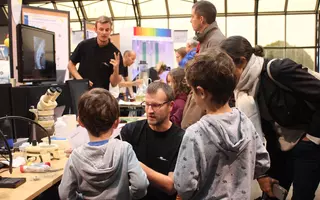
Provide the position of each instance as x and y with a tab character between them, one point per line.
37	55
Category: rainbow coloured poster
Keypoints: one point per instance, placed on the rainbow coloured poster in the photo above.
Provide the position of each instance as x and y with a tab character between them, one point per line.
155	32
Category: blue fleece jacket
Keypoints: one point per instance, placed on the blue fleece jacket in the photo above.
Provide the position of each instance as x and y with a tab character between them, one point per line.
190	55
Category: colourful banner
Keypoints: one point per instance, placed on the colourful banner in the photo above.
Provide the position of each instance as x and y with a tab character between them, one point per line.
155	32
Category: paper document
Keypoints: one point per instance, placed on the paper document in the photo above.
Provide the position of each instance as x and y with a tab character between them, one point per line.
116	132
80	136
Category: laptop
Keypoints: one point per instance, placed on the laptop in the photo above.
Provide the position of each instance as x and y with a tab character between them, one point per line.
61	74
60	77
58	112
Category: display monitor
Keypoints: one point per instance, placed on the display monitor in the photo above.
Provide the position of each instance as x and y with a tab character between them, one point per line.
36	54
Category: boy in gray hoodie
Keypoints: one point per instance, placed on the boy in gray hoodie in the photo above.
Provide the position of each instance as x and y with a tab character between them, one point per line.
104	168
222	153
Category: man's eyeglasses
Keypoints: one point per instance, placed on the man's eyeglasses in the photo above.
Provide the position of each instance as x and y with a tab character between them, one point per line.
155	107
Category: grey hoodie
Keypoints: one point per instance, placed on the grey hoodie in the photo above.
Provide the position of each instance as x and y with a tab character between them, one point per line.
103	172
219	157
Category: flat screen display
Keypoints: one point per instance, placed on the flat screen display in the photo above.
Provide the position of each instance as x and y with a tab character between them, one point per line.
36	54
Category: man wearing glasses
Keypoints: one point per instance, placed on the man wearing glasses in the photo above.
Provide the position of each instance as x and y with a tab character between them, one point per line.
156	141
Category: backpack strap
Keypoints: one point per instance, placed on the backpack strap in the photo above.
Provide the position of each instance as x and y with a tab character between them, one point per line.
270	76
315	74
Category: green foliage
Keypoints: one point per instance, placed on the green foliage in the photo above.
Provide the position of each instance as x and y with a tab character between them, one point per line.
298	55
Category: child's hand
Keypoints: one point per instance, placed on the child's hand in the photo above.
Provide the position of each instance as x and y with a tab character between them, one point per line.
178	198
266	183
68	152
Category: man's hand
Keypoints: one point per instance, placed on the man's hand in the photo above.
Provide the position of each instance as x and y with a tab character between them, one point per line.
116	61
143	166
138	82
90	83
115	77
68	152
266	183
161	181
305	139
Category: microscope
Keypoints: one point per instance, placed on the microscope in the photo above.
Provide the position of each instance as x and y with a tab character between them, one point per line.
44	115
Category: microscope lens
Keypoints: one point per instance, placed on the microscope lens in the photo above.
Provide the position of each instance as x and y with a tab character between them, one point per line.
58	89
52	90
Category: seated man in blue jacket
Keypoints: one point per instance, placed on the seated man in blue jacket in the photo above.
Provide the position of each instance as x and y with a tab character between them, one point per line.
191	48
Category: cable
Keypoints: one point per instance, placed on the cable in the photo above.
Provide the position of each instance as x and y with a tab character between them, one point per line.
27	120
4	157
9	150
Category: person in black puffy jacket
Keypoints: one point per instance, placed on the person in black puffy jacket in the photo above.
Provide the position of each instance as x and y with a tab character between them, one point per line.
282	100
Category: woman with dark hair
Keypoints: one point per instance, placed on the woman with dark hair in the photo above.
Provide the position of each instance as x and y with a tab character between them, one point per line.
176	79
282	100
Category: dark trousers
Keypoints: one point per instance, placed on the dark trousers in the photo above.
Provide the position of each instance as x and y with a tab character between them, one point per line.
51	193
300	166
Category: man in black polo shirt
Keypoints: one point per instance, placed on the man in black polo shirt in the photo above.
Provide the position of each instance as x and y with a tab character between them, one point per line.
100	61
156	141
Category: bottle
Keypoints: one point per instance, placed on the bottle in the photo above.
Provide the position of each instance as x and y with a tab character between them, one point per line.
60	128
143	75
144	72
35	168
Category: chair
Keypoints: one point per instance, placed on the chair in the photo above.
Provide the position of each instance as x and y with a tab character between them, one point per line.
5	150
6	105
76	89
6	108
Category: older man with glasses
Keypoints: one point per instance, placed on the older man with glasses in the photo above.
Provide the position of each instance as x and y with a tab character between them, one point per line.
156	141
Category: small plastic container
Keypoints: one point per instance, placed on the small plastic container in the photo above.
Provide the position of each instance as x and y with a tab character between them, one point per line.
35	168
60	128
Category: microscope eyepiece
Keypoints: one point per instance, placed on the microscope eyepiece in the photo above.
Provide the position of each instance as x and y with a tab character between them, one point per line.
52	89
56	94
58	89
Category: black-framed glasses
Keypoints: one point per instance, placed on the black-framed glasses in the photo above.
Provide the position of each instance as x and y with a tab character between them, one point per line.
155	106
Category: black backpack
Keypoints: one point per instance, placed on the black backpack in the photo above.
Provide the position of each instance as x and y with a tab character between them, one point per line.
287	108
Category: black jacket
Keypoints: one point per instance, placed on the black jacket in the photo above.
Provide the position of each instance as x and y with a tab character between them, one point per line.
305	92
